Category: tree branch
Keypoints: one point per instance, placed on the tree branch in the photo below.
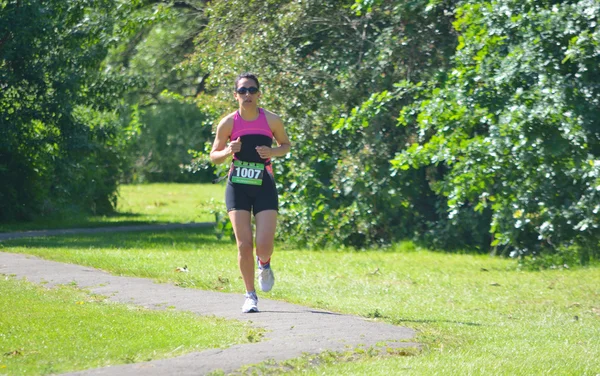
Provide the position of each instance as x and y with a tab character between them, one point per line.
185	5
5	38
202	85
132	44
180	4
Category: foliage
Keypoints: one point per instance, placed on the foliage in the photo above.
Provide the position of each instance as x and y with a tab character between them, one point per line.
515	125
58	134
497	103
169	123
317	61
498	145
160	151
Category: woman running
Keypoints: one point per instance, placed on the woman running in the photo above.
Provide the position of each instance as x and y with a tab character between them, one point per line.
248	134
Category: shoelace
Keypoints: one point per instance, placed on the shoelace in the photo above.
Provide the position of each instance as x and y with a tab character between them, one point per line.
252	296
265	272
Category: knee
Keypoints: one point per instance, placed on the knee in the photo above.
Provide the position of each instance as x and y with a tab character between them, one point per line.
244	248
264	244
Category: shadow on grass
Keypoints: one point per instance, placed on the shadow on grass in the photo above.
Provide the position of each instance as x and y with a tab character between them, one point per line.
376	314
307	311
75	221
425	321
179	238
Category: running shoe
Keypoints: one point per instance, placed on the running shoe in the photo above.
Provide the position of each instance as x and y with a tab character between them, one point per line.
266	278
251	303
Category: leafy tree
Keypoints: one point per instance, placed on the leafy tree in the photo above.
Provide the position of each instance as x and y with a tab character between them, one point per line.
514	126
58	139
169	123
317	61
497	102
167	132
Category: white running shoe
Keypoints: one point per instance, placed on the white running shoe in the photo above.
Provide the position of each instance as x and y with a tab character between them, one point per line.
251	303
266	278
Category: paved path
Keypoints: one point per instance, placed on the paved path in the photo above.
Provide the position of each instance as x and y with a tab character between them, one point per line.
291	329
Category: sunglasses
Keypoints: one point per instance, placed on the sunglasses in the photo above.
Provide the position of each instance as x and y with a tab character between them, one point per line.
244	90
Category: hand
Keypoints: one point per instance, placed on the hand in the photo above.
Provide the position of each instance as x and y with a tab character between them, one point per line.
235	146
264	152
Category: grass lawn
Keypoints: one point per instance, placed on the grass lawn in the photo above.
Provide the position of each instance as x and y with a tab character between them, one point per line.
474	314
143	204
64	329
166	203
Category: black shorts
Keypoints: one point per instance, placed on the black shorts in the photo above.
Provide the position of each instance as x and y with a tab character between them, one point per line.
253	198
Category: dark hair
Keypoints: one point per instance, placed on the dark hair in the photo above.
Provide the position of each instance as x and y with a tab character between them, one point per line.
250	76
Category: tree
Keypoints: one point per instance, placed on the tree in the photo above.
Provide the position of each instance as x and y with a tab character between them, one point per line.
169	123
514	127
318	61
52	155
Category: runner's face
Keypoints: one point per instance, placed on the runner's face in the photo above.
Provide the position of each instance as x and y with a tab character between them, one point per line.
247	99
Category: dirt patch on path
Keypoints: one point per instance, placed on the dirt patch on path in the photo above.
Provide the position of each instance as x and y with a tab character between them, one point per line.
292	329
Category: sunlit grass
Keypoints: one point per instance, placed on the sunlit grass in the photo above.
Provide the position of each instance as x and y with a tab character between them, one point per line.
63	329
142	204
179	203
474	314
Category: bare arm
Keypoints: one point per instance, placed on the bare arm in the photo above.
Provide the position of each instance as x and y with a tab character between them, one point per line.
283	142
221	150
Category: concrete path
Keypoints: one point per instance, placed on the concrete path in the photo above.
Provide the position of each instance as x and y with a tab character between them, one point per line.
291	329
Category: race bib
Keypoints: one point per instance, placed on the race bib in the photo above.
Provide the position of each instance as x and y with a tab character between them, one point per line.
247	173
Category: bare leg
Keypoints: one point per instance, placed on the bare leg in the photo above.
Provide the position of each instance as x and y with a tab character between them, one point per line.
266	222
242	227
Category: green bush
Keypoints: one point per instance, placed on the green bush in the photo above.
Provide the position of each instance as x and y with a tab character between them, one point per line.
167	132
53	158
515	126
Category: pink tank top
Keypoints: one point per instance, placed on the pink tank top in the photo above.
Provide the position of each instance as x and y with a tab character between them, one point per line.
252	133
243	127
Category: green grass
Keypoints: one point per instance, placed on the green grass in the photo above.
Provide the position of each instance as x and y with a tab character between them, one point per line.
474	314
64	329
142	204
179	203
